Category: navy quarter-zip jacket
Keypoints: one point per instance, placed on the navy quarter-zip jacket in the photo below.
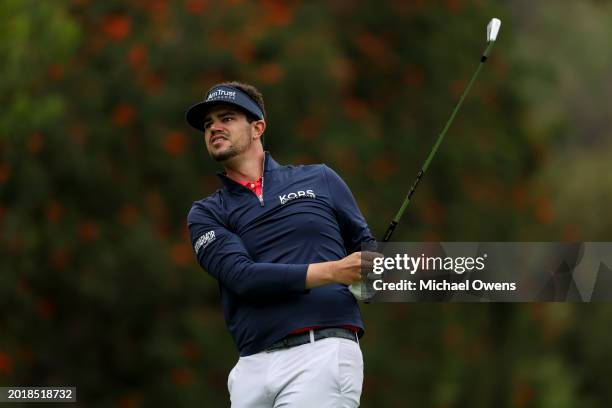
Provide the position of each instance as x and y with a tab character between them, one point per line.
259	251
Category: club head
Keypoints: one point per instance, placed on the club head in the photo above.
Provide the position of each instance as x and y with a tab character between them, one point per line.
493	29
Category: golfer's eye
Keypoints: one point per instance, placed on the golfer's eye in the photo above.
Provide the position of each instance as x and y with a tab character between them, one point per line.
207	125
227	119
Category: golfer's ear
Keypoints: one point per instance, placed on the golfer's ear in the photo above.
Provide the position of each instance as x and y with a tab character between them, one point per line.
260	127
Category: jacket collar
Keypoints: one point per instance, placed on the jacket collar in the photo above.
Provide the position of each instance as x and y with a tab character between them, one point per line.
269	165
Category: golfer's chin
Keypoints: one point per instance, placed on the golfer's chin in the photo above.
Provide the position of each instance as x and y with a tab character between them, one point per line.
222	155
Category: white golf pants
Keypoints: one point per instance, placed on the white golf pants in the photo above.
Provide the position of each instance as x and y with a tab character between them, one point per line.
323	373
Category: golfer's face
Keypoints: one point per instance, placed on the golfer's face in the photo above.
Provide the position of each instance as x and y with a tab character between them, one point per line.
227	132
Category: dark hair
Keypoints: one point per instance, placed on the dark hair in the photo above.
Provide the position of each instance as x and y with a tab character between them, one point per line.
250	90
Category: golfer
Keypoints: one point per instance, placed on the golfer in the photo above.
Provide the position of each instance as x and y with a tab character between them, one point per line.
283	243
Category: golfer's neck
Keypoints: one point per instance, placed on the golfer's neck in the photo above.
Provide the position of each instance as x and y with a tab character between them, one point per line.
247	166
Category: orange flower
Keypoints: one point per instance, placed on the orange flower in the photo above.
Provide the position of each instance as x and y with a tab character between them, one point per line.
130	401
123	115
490	98
270	73
117	27
163	230
55	72
185	234
94	44
304	158
25	354
155	204
128	215
544	211
499	67
346	159
45	307
137	57
243	51
54	211
191	351
342	70
414	76
182	376
454	5
277	12
370	45
175	143
382	168
6	364
158	9
59	259
452	335
309	127
88	231
571	233
78	134
522	395
196	6
220	38
181	254
431	236
5	172
433	213
520	197
35	143
355	108
153	83
457	87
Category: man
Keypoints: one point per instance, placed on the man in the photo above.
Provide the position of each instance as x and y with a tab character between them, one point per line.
283	243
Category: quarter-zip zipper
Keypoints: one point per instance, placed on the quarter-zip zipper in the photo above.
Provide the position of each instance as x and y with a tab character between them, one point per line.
261	200
263	171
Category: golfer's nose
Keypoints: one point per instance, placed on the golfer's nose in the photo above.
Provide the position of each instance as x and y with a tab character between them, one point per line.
216	125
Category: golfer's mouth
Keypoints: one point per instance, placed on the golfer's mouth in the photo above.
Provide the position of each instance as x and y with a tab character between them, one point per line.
216	140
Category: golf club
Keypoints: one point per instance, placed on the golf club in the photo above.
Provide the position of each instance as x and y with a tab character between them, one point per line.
492	32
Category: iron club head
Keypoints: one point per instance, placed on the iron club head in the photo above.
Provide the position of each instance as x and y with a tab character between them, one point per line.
493	29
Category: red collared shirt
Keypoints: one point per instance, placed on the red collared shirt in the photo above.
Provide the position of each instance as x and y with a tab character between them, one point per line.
254	186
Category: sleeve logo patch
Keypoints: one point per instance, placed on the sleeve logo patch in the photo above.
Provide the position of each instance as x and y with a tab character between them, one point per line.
203	241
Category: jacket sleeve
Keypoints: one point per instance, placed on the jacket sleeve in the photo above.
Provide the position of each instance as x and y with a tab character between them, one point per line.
222	254
353	226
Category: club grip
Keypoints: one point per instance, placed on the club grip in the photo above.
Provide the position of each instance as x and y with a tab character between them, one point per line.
389	231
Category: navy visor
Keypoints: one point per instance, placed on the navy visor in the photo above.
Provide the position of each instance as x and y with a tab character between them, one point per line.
221	95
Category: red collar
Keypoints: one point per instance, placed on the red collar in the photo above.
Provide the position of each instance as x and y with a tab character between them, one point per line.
254	186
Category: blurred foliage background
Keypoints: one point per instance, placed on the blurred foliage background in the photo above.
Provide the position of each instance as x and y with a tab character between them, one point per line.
98	285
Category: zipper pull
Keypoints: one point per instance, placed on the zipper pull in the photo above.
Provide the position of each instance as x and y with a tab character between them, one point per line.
261	200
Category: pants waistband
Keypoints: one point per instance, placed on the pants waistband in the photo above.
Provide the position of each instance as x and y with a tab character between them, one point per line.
294	340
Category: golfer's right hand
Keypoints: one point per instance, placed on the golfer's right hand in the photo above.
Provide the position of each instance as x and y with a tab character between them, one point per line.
348	269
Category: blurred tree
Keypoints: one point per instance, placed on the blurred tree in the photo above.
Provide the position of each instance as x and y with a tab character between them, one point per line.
566	90
98	284
35	42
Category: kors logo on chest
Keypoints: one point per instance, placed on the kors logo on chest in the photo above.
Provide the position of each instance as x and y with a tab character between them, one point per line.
298	194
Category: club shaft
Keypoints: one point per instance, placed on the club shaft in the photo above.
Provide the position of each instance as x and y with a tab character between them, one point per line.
433	151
